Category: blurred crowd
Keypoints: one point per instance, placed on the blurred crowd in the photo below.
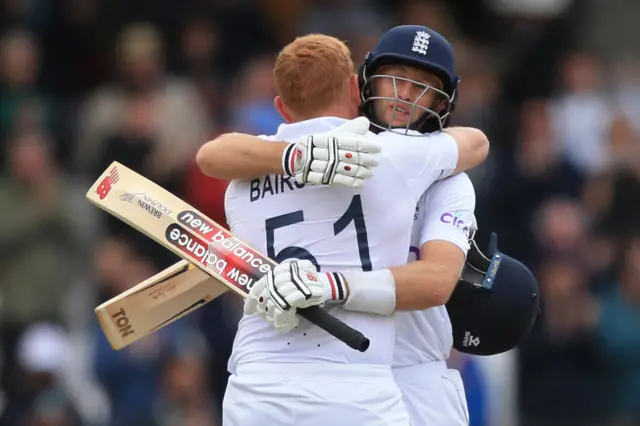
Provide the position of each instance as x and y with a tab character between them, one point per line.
87	82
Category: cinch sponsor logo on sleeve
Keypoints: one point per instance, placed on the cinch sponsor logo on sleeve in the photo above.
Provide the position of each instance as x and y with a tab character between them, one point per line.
454	220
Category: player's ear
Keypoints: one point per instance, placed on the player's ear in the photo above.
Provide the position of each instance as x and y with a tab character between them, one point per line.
354	91
282	109
355	88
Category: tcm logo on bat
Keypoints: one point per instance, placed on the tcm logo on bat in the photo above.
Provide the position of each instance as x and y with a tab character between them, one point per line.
195	248
104	187
145	202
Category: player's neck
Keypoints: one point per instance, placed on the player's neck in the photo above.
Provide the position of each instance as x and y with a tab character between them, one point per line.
338	111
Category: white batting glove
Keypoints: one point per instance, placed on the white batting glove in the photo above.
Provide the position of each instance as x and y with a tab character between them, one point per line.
344	156
258	302
290	286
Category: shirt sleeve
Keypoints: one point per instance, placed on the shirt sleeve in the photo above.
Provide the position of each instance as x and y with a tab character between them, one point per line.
448	211
268	138
422	159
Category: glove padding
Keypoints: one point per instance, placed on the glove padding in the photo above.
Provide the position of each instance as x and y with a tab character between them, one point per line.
344	156
289	286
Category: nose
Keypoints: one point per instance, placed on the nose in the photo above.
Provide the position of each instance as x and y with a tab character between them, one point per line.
404	90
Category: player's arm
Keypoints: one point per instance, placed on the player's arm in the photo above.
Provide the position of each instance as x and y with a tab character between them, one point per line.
422	284
428	282
424	160
448	214
342	156
454	150
241	156
444	238
473	147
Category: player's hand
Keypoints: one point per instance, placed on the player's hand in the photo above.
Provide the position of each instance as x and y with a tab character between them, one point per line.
344	156
293	285
259	303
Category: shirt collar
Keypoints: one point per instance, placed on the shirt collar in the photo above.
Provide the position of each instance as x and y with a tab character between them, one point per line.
293	131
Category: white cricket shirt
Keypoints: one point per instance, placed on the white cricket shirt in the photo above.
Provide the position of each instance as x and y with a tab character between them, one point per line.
444	212
340	229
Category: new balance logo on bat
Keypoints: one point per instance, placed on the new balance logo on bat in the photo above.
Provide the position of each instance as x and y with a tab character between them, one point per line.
104	187
205	253
220	239
195	248
197	223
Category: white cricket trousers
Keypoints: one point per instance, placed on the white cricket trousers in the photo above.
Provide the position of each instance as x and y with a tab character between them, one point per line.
313	394
433	394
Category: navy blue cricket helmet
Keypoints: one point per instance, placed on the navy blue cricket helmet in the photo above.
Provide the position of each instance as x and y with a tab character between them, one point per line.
417	46
495	303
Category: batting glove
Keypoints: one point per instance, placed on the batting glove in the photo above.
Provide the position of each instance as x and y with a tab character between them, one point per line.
344	156
290	286
259	303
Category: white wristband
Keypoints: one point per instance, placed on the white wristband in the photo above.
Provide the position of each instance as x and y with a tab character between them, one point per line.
288	160
372	292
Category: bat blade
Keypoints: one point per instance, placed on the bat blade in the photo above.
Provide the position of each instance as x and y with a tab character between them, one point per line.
197	239
155	303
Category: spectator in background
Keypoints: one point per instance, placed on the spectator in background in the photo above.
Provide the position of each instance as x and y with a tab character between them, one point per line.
560	230
342	18
613	196
563	377
75	48
186	399
135	144
619	331
626	80
624	208
253	109
19	71
582	115
200	46
433	14
42	352
479	71
132	376
562	189
180	123
46	226
538	173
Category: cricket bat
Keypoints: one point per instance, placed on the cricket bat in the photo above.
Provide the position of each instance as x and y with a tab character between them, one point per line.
197	239
156	302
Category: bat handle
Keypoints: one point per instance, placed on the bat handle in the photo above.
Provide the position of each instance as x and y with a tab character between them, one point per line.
338	329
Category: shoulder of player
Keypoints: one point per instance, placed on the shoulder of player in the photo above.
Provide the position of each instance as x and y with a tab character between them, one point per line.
457	189
411	135
413	140
460	183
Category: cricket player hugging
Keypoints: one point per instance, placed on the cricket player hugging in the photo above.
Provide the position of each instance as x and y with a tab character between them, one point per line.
337	203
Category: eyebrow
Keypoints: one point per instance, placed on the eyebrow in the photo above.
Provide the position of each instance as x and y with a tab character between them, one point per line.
425	78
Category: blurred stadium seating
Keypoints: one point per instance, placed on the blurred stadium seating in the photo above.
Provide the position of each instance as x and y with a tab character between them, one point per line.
555	83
